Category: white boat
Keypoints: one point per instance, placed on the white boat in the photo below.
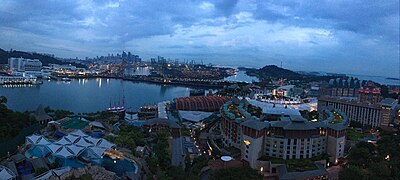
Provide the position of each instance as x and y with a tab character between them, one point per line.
66	79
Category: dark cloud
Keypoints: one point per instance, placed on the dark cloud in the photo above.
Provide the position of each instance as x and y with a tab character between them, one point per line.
229	31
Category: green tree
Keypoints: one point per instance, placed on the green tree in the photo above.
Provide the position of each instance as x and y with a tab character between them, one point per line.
352	173
176	173
237	173
187	159
378	170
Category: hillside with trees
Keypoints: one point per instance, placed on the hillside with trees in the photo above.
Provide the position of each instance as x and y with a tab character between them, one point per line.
274	72
44	58
11	123
374	161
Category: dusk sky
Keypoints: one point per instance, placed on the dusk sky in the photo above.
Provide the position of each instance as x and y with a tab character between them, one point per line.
357	36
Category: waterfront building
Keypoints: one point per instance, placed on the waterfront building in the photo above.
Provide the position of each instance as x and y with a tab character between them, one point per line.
26	67
18	80
288	137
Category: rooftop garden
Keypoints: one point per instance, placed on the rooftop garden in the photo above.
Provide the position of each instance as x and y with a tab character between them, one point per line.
310	115
235	111
296	165
337	118
255	111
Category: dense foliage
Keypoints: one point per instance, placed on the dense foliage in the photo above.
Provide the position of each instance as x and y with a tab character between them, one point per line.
129	137
369	161
58	114
239	173
309	115
12	122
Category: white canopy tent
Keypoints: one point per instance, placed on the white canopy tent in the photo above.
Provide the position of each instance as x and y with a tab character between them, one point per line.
92	140
82	142
79	133
64	153
43	141
76	150
72	138
6	173
54	147
98	151
32	139
63	141
105	144
54	172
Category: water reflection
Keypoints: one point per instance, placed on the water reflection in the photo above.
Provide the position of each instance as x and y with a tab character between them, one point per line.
88	95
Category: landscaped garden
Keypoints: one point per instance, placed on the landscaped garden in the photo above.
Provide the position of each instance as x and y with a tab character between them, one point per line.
297	165
354	135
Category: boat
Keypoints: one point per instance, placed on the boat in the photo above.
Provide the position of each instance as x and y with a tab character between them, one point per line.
118	109
65	79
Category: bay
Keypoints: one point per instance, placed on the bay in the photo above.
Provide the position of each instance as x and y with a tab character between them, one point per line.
89	95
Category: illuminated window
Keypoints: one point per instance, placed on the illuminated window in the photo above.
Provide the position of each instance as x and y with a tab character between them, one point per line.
247	142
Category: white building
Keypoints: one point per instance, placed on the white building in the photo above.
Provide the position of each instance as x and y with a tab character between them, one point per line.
25	67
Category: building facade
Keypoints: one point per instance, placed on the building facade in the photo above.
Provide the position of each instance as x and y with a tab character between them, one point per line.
290	137
365	113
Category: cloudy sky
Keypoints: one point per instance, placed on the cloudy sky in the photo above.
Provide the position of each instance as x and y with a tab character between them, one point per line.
358	36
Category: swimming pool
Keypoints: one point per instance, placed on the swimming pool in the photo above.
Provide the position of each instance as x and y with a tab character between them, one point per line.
71	162
37	151
118	166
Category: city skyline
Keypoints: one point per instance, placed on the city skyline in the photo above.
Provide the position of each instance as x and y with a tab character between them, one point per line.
303	35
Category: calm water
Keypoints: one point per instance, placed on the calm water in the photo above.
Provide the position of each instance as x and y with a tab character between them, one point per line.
241	76
89	95
378	79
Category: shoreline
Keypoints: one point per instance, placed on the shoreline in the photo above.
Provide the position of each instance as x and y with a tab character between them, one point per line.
211	85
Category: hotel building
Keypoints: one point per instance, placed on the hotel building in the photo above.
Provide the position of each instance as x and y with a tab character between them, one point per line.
289	137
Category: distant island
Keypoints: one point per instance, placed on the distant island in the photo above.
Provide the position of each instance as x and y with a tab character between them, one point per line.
397	79
275	72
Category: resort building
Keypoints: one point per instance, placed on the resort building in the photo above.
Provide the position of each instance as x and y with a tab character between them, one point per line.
288	137
25	67
365	113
